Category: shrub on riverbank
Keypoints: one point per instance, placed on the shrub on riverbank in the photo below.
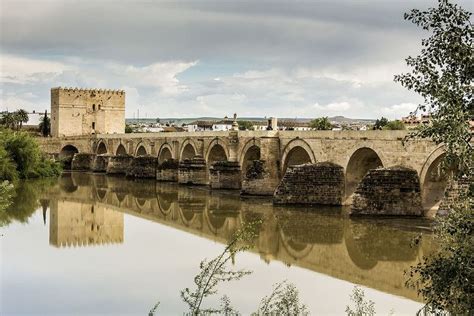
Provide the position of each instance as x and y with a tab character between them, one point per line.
21	157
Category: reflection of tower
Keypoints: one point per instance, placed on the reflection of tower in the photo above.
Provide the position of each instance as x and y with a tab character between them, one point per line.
44	206
81	224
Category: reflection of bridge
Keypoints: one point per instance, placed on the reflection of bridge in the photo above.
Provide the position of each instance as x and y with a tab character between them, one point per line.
364	252
357	152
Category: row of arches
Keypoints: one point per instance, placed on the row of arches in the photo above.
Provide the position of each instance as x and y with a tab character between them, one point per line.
359	163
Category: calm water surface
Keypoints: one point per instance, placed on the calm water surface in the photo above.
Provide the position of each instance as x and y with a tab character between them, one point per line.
93	245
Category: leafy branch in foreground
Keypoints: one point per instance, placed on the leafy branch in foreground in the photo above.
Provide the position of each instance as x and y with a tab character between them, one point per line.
284	300
362	307
212	272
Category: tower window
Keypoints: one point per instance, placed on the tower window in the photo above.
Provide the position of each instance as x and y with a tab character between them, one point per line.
93	125
99	107
93	107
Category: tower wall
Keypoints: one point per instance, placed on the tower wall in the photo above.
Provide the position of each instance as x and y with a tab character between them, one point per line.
87	111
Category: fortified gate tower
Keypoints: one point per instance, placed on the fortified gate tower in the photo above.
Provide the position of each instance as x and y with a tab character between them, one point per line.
77	111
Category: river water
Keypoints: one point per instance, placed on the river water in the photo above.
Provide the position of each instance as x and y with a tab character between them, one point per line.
92	245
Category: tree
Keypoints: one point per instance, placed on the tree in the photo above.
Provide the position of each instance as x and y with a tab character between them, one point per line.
380	123
442	74
394	125
8	120
21	117
128	129
45	125
245	125
321	124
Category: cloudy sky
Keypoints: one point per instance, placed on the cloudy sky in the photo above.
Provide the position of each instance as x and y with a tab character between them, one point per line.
214	58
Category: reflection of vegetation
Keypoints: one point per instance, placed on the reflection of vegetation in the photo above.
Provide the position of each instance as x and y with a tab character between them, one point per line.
25	200
6	190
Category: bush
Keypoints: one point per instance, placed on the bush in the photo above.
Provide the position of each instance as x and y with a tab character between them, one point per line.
21	157
395	125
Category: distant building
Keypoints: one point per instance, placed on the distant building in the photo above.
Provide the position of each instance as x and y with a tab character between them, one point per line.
87	111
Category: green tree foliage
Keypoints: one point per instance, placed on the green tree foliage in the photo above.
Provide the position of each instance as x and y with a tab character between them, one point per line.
394	125
21	117
321	124
14	120
245	125
361	306
45	125
284	300
442	74
6	189
128	129
21	157
380	123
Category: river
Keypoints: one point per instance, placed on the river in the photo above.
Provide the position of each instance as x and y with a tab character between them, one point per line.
88	244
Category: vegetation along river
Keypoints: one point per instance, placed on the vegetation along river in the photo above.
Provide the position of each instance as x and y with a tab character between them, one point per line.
95	245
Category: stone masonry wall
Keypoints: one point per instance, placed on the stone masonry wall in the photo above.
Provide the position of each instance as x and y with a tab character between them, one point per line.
118	164
100	163
454	189
257	181
193	171
225	175
82	161
167	171
142	167
388	191
319	183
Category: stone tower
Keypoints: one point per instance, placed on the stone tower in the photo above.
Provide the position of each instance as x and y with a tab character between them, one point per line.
87	111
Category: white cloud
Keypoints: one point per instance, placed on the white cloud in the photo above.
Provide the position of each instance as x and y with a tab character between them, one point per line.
396	111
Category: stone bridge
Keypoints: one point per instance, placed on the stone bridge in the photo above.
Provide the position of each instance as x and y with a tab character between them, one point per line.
258	162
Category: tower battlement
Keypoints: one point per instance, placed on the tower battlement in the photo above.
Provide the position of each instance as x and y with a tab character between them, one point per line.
88	90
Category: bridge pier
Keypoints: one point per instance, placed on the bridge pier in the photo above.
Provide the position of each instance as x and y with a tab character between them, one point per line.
193	171
225	175
388	191
319	183
118	164
142	167
82	162
167	171
100	163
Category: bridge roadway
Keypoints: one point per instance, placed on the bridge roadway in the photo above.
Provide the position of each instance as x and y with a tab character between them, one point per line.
371	253
356	151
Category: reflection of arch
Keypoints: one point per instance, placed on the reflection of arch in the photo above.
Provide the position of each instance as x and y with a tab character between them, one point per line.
433	179
297	152
250	154
188	150
141	150
120	196
121	151
216	152
360	162
165	153
101	148
294	248
67	184
215	221
101	194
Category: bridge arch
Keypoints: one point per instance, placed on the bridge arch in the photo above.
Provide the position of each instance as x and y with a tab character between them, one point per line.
121	151
165	153
141	150
67	154
101	148
217	151
188	150
360	162
433	179
296	152
250	152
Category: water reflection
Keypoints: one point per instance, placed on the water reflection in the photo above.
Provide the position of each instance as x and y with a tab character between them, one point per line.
89	210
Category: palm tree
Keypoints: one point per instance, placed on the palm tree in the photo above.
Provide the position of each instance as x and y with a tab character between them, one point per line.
8	120
21	117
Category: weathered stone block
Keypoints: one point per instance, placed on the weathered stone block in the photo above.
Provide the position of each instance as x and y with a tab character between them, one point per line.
388	191
319	183
193	171
82	161
142	167
258	181
100	163
167	170
225	175
455	189
118	164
